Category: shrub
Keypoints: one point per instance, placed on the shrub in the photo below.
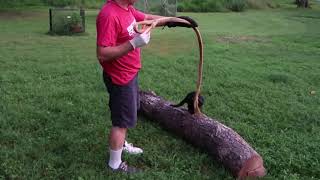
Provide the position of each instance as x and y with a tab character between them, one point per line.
75	19
210	5
215	6
15	3
261	4
63	3
236	5
200	6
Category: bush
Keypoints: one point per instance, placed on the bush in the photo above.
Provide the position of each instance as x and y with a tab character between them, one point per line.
223	5
210	5
15	3
201	6
55	3
63	3
236	5
261	4
183	5
215	6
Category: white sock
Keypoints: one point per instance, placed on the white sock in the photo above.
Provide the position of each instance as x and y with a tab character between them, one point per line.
115	158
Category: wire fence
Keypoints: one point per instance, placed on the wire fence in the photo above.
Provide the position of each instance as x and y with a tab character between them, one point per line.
160	7
66	21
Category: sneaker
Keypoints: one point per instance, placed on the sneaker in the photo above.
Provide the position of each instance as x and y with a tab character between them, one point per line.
124	168
130	149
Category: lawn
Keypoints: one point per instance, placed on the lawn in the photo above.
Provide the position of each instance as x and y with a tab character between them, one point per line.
260	69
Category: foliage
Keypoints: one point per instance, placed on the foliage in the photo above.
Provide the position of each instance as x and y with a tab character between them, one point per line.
14	3
55	3
227	5
201	6
160	7
62	3
182	5
77	3
262	4
235	5
75	19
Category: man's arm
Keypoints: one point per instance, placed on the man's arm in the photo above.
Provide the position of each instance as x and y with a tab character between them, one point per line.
152	17
164	21
155	17
107	54
113	53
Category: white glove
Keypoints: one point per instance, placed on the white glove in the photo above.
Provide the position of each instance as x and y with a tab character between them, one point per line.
140	40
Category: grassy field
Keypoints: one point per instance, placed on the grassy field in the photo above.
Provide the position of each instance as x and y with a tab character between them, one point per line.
260	69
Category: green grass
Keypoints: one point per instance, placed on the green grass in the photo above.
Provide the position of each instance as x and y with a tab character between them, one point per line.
260	67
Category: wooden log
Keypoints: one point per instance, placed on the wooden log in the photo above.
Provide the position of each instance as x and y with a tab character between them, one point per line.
222	142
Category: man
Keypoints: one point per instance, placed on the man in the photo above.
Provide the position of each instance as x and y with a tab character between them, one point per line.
118	51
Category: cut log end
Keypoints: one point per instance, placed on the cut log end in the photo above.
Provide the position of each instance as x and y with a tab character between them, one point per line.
252	168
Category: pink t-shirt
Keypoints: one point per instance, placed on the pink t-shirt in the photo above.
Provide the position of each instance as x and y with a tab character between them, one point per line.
115	27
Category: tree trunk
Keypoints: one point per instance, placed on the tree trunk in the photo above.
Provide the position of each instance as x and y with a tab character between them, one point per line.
302	3
220	141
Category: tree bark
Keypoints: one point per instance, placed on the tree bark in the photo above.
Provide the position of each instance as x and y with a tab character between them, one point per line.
217	139
302	3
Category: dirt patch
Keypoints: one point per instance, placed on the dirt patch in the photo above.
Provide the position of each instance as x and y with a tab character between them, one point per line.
239	39
12	15
307	16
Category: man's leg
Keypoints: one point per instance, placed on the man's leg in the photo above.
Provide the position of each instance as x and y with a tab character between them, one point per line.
123	107
128	147
116	141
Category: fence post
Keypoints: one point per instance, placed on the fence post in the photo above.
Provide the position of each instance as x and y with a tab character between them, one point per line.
50	19
82	14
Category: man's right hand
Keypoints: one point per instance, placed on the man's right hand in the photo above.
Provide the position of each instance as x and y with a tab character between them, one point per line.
140	40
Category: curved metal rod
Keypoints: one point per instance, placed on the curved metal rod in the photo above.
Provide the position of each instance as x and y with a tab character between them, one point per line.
148	25
141	27
200	72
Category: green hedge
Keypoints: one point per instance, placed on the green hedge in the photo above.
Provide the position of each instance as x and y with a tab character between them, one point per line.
183	5
15	3
57	3
223	5
85	3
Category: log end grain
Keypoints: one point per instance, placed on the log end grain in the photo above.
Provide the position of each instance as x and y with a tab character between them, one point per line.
252	168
